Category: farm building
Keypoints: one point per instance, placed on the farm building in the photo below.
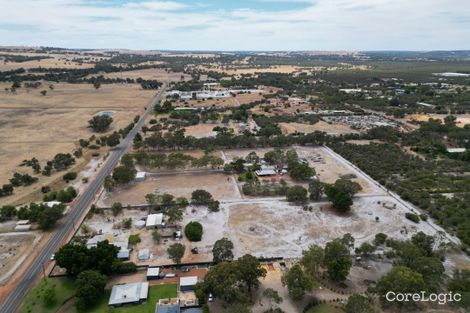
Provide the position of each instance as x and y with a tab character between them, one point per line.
140	176
154	220
187	283
129	293
153	273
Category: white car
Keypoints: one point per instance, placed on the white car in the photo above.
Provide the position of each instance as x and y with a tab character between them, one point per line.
52	257
210	298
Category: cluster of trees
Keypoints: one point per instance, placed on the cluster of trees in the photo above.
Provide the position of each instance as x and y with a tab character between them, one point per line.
46	216
122	174
22	180
232	281
420	181
100	123
176	160
203	197
64	195
90	268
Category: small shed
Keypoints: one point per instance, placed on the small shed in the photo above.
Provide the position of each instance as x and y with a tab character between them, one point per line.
154	220
123	254
153	273
140	176
144	254
187	283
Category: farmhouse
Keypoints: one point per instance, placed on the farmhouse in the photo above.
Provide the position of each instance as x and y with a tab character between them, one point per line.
129	293
154	221
265	171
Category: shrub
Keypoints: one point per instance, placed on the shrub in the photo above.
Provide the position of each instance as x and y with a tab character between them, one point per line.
412	217
69	176
193	231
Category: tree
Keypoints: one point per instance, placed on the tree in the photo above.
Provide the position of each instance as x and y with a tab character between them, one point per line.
97	85
337	260
297	282
43	92
340	199
222	281
424	242
222	250
316	189
116	208
73	258
312	259
296	194
90	289
365	249
113	140
250	270
348	186
273	296
156	236
49	216
100	123
123	174
193	231
69	176
301	172
176	252
400	279
175	214
460	283
359	304
201	197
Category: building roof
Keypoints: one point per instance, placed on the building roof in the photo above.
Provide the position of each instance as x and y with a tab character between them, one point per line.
168	308
123	254
192	310
153	271
154	219
140	175
144	254
188	281
456	150
128	293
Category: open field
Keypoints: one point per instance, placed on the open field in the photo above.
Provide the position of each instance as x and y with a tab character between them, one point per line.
39	126
462	119
56	61
150	74
222	102
14	249
331	129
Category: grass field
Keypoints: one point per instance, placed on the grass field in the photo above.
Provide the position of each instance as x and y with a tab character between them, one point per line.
64	289
155	293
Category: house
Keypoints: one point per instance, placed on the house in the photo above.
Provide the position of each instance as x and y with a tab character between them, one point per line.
123	254
154	220
187	283
140	177
265	171
132	293
153	273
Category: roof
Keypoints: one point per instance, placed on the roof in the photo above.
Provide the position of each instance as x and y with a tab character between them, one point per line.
128	293
265	172
123	254
456	150
154	219
144	254
192	310
188	281
168	308
140	175
153	271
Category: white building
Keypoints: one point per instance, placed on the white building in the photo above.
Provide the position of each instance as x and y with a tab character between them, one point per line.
187	283
154	220
129	293
140	176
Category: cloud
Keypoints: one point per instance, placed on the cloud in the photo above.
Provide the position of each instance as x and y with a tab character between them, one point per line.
179	25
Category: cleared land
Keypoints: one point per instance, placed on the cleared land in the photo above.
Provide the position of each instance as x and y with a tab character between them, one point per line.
150	74
331	129
39	126
462	119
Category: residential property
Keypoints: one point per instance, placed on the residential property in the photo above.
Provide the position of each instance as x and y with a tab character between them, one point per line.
154	221
266	171
168	306
134	293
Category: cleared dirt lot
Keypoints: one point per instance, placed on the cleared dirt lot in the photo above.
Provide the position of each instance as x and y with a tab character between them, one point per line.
462	119
336	129
32	125
150	73
179	184
14	248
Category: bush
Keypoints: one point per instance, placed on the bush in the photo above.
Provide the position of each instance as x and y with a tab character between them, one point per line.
412	217
124	267
214	206
296	194
193	231
69	176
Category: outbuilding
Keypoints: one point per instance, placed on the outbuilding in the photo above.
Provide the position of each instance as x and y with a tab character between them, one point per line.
187	283
153	273
154	220
140	176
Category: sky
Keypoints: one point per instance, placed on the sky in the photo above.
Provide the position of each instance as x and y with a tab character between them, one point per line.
237	25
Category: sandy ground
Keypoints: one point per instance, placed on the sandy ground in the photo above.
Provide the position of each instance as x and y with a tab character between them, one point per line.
55	62
151	73
201	130
32	125
14	248
336	129
462	119
222	102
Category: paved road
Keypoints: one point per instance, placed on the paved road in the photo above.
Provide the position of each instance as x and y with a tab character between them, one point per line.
67	224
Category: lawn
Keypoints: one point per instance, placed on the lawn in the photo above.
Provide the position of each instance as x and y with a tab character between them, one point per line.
325	308
155	293
64	289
